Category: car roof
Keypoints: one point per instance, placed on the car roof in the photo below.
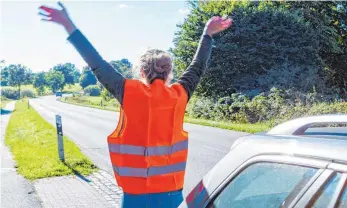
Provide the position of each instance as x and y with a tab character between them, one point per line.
299	138
313	149
332	148
300	125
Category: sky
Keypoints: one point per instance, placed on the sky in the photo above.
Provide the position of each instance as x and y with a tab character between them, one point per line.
117	29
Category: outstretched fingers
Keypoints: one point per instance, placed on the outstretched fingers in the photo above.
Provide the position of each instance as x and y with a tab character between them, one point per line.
45	15
46	9
61	5
227	22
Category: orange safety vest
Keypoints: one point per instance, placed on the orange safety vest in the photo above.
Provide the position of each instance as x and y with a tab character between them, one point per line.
149	147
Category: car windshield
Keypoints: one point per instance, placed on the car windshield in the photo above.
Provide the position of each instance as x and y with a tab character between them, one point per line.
264	185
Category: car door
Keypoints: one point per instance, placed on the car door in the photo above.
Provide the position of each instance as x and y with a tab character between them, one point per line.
329	190
267	181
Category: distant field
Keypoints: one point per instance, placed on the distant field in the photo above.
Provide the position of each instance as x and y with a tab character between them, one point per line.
67	89
72	88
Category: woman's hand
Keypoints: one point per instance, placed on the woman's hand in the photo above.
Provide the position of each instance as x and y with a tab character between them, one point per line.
216	25
60	17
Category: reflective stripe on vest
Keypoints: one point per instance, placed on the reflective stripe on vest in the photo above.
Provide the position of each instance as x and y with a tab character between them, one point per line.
148	151
147	172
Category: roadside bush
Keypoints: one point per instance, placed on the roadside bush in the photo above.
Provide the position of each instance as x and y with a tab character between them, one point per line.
106	95
114	103
275	107
10	93
27	93
92	90
201	108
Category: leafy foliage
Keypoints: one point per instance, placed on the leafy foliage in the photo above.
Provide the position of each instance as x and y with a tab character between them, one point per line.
124	67
87	78
40	82
271	44
55	80
68	70
77	75
331	15
17	75
276	106
92	90
29	77
27	93
4	76
9	92
106	95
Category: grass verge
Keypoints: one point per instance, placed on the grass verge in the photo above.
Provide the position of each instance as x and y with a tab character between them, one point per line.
33	143
249	128
72	88
94	102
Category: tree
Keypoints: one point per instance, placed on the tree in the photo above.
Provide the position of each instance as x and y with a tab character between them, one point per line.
40	82
77	75
55	80
87	78
29	77
331	14
124	67
17	75
106	95
4	76
68	70
268	46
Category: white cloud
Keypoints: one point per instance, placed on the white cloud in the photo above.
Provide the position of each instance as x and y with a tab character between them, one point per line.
184	11
123	6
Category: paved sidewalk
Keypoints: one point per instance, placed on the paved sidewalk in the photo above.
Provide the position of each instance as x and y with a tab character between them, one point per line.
16	191
96	190
99	190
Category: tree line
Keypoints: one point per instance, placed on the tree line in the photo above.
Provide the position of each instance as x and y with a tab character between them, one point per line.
57	77
296	45
288	45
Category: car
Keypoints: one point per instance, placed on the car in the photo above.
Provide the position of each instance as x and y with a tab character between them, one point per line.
58	94
299	163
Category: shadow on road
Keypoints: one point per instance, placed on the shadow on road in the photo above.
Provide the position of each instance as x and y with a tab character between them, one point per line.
78	174
5	112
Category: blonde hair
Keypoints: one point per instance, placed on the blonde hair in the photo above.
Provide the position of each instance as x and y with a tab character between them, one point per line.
156	64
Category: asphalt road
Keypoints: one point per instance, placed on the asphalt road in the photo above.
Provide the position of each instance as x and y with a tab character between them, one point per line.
89	127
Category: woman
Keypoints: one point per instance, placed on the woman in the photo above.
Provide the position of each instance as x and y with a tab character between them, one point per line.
148	149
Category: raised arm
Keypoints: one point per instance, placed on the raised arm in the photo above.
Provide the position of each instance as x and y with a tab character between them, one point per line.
191	77
105	73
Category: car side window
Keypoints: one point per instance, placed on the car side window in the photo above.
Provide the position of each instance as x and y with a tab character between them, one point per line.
324	196
343	200
263	185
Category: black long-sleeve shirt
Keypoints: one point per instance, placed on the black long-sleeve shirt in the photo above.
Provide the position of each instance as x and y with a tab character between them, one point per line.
114	81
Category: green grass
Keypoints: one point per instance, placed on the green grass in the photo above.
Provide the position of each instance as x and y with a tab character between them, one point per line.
249	128
67	89
33	143
47	91
27	87
73	88
94	102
